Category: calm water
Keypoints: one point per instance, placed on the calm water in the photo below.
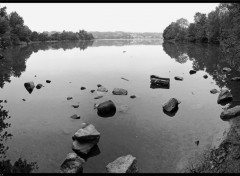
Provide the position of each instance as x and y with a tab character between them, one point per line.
40	129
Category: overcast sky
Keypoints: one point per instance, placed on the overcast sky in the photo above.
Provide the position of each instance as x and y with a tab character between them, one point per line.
129	17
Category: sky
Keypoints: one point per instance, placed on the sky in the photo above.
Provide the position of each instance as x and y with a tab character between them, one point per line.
128	17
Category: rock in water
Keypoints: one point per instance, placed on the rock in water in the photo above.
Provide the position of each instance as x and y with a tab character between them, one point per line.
72	164
75	116
83	88
124	79
171	105
29	86
205	76
75	106
196	142
102	89
235	79
133	96
214	91
230	113
87	133
192	72
48	81
123	164
100	96
69	98
226	69
178	78
39	86
224	96
106	109
99	85
119	91
92	91
158	82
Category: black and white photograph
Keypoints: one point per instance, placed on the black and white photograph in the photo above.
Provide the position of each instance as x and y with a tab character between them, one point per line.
119	87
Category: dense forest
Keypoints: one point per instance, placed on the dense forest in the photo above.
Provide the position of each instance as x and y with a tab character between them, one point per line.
13	31
220	26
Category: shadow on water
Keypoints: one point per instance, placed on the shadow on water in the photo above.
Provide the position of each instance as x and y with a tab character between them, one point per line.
6	166
208	58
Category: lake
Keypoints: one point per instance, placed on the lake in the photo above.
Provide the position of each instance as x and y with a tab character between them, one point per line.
40	129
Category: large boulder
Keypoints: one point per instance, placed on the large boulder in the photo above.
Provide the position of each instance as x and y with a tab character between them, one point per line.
102	89
123	164
224	96
230	113
171	105
106	109
29	86
72	164
87	133
119	91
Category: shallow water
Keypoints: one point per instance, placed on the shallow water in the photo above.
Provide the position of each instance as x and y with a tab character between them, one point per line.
41	126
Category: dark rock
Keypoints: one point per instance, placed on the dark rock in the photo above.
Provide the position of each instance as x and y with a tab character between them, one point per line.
72	164
179	78
125	79
235	79
48	81
75	116
87	133
83	148
1	56
92	91
75	106
69	98
99	85
230	113
35	76
106	109
205	76
39	86
102	89
5	101
171	105
226	69
133	96
124	51
23	99
225	96
119	91
196	142
192	72
123	164
29	86
93	152
214	91
159	82
98	97
83	88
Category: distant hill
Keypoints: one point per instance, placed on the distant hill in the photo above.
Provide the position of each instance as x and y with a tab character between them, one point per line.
126	35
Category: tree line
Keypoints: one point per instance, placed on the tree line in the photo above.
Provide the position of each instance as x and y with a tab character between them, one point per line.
13	31
220	26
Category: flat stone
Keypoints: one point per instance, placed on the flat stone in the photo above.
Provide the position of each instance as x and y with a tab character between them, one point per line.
72	164
87	133
102	89
75	116
230	113
178	78
123	164
100	96
214	91
119	91
69	98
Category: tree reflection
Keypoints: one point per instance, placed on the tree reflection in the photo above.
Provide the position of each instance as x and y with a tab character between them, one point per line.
210	59
6	166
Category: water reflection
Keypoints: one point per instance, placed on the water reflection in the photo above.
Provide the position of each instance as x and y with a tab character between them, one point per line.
207	58
6	166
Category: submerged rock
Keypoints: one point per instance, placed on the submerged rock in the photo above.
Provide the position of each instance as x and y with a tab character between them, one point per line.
192	72
102	89
123	164
171	105
72	164
39	86
205	76
230	113
29	86
83	88
106	109
100	96
178	78
214	91
69	98
75	116
225	96
226	69
75	106
87	133
235	79
119	91
48	81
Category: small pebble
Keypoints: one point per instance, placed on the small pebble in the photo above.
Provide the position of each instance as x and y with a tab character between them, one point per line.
133	96
83	88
